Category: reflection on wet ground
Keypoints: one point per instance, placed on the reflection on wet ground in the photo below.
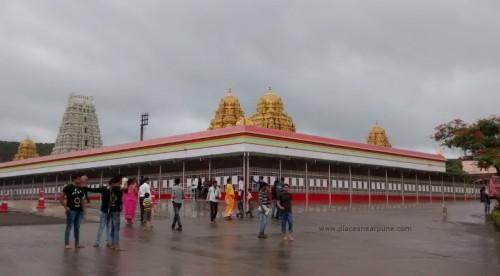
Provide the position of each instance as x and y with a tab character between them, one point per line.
196	209
330	240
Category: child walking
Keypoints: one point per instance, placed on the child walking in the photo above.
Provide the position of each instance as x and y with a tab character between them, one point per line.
148	209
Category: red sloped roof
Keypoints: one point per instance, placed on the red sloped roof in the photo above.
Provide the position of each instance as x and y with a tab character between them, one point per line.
343	144
227	132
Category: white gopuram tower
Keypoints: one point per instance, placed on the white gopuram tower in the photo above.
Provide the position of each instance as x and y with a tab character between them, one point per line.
79	129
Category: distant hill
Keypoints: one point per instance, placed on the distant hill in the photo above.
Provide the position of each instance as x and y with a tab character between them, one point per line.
8	149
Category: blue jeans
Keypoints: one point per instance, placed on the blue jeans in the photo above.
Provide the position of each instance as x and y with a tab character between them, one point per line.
177	217
103	223
262	222
286	217
274	208
486	207
72	220
115	228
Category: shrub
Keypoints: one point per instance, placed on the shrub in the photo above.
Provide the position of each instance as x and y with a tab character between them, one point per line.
495	216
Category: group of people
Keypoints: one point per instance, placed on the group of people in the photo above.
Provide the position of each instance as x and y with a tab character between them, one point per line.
275	201
122	194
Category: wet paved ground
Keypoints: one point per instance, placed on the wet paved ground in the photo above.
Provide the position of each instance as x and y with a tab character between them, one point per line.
18	218
464	243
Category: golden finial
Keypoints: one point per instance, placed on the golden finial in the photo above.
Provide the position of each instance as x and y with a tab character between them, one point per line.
228	112
270	113
27	149
378	137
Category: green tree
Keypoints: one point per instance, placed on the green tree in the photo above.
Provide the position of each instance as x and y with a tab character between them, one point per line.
479	140
454	166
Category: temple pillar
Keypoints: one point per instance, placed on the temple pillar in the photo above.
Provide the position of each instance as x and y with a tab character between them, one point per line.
430	188
350	186
184	175
402	188
369	189
307	187
160	182
453	184
442	188
329	185
416	185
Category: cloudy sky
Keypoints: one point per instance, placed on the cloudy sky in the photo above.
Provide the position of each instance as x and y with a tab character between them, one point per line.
339	66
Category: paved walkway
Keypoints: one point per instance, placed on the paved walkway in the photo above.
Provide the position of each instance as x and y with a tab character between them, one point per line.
464	243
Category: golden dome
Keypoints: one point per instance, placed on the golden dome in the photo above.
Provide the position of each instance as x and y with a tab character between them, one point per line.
378	136
228	112
26	149
270	113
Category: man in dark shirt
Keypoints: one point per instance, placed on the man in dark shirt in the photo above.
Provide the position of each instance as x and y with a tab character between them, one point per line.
274	197
72	200
285	205
279	189
104	218
115	209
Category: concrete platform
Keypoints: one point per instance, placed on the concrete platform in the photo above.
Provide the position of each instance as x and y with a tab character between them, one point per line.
464	243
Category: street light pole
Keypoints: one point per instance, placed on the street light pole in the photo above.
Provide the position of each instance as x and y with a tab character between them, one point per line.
144	122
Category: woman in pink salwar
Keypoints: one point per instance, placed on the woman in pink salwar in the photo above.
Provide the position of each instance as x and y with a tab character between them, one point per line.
130	200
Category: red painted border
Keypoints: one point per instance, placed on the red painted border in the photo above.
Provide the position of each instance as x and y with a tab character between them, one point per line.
336	198
225	133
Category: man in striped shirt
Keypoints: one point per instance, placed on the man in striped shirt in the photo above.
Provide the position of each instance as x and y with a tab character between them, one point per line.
148	209
264	199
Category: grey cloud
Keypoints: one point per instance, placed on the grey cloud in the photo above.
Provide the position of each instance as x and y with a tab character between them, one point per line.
339	65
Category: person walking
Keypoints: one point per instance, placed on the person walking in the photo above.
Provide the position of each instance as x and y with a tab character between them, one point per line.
199	189
148	209
130	200
241	184
249	195
279	189
239	199
213	197
177	198
228	213
115	209
143	189
274	200
104	214
485	198
194	188
264	210
285	205
71	199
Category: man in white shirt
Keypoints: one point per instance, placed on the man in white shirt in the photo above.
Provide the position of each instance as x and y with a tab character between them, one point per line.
213	197
194	188
241	184
144	189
